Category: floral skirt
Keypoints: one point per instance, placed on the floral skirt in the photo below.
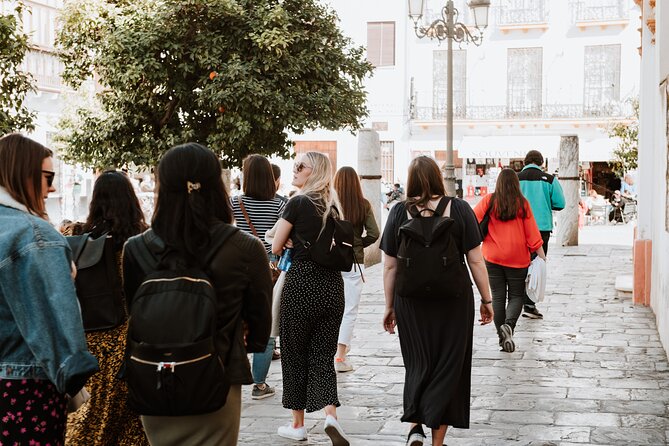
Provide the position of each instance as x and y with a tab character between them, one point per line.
32	412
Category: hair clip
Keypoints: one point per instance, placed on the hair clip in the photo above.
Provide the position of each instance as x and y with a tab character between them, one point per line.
192	186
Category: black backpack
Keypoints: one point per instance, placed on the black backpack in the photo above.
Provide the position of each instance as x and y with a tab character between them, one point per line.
333	248
429	263
98	281
172	363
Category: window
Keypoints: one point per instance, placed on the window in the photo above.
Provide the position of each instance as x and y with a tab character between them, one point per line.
381	43
602	79
388	162
524	71
433	9
328	148
514	12
598	10
440	83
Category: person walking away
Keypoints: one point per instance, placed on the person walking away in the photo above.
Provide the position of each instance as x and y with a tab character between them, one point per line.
544	193
192	210
256	211
106	419
358	211
312	303
435	332
512	235
43	355
276	170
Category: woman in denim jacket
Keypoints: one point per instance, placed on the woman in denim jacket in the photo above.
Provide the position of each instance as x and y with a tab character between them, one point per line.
43	355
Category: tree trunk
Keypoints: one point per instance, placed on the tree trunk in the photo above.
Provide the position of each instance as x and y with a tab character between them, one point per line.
369	169
568	217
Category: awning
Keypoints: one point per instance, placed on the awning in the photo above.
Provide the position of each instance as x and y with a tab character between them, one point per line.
600	149
507	146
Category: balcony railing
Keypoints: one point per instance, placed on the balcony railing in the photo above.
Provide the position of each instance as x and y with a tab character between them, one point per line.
598	10
522	12
545	111
45	67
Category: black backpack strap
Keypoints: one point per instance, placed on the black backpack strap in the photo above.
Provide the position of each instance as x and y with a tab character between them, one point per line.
441	207
439	210
220	235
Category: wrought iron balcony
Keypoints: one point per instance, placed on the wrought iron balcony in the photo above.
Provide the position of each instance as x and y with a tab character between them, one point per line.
45	67
521	12
598	10
544	111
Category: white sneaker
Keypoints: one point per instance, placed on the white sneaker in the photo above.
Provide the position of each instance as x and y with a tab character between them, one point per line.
335	432
294	433
342	365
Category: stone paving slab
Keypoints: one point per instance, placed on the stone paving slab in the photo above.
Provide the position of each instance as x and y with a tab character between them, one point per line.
592	372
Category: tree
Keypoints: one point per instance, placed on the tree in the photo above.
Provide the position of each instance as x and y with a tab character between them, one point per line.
14	83
235	75
626	155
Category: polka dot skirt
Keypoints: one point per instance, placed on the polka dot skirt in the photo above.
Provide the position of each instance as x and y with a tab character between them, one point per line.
32	413
312	306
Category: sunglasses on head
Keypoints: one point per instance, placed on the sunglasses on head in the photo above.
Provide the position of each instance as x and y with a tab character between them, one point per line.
49	177
299	167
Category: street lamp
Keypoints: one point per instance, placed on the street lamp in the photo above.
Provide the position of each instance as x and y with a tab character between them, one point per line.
448	28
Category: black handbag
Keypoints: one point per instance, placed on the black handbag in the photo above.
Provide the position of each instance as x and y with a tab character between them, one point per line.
98	282
485	221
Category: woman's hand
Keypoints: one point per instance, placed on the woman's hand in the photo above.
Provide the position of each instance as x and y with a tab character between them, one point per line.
389	321
73	273
486	313
289	244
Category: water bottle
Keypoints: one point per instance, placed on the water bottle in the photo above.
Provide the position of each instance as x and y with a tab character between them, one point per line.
286	259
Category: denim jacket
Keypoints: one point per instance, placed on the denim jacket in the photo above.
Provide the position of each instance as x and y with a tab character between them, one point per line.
41	333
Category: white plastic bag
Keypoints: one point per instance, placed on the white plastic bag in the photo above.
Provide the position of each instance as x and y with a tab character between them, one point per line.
276	303
535	283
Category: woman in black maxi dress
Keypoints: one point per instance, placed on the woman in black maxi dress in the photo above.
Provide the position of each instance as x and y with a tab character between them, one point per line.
435	335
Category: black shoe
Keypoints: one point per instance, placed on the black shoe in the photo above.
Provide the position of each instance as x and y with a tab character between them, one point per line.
416	436
506	338
532	313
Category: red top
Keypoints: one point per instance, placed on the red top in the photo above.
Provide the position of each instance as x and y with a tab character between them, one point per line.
509	243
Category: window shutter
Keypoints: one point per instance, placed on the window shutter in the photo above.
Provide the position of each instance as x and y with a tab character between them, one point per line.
388	45
381	43
374	33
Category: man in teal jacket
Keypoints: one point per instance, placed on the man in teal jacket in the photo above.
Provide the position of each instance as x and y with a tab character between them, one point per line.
544	193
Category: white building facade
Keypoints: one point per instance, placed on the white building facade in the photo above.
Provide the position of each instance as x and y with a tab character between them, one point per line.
651	263
546	68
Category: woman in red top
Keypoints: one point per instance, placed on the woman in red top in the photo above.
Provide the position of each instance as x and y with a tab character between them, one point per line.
512	235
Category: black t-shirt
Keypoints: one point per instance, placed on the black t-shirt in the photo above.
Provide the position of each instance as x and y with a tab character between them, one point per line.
306	221
468	235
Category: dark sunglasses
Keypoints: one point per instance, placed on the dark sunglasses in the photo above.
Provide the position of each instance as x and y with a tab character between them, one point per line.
49	177
299	167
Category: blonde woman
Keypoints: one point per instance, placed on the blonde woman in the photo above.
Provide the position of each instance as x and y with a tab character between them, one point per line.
312	303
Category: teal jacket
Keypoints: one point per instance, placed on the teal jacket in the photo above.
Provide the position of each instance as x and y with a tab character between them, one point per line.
544	193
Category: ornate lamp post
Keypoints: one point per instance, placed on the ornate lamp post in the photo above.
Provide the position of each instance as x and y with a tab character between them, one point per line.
448	28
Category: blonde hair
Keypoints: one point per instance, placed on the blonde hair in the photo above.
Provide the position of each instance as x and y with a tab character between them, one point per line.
318	186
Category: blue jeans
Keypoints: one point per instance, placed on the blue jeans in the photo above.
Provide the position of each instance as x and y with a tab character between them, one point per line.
506	282
262	361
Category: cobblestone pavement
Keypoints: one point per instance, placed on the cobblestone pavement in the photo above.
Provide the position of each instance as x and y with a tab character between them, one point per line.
592	372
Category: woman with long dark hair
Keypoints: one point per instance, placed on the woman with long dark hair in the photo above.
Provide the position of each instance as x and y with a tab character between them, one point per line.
359	212
43	355
435	334
312	303
192	208
114	212
256	211
512	235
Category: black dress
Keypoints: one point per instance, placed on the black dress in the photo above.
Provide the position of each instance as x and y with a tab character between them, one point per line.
436	335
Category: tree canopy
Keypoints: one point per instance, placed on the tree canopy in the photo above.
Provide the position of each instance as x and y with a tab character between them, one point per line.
235	75
626	154
14	83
